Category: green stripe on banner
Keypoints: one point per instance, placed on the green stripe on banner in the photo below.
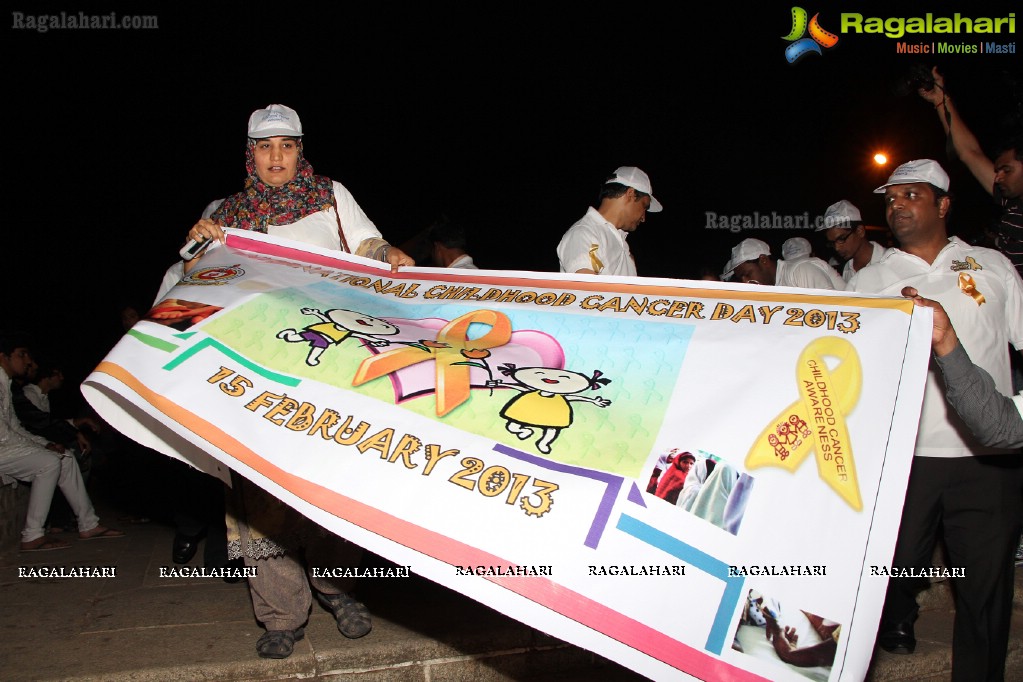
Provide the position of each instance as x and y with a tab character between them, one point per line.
212	343
159	344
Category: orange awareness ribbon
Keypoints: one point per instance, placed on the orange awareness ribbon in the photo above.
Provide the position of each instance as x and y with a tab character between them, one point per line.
595	263
452	383
969	287
816	421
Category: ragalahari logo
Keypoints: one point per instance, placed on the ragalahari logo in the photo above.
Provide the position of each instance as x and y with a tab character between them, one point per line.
801	46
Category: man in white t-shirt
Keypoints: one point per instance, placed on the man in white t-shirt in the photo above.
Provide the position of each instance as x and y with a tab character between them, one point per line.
595	244
448	246
799	249
971	491
751	263
844	230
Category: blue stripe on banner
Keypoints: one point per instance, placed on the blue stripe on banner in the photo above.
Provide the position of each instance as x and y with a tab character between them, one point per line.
700	560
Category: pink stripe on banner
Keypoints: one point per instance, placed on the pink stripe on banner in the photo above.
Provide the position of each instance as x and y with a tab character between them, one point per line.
539	590
620	627
277	251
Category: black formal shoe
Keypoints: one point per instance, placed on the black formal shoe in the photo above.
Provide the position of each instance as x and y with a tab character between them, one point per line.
899	638
184	548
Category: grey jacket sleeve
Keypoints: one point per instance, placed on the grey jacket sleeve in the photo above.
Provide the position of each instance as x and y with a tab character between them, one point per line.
991	416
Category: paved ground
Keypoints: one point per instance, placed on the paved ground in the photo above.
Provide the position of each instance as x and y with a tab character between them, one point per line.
139	626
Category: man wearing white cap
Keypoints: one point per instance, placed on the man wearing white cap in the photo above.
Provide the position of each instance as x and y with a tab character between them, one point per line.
973	492
843	228
751	263
798	249
595	245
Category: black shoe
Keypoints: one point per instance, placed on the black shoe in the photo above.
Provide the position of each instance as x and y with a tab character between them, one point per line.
353	619
899	638
184	548
278	643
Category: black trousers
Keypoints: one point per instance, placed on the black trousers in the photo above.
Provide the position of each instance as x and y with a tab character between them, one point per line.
976	502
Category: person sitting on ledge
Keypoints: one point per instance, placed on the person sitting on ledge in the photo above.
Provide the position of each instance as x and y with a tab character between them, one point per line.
33	459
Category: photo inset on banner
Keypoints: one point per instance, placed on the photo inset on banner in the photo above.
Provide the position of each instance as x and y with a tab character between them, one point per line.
702	484
179	313
805	642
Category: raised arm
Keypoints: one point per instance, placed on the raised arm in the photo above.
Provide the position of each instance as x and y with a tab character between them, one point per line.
963	140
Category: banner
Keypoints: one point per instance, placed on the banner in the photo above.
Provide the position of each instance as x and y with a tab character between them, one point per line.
690	478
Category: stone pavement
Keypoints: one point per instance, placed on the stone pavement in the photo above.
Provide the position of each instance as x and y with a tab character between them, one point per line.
141	627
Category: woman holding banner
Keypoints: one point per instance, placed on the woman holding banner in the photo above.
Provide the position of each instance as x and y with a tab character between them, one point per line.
283	197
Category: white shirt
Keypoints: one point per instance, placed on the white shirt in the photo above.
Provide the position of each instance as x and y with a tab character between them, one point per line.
875	255
11	430
318	229
36	396
593	243
985	329
464	262
806	273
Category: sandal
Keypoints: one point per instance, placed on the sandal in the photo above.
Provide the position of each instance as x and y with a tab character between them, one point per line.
278	643
100	532
44	544
353	620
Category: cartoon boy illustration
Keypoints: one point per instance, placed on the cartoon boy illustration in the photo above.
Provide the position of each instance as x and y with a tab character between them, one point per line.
335	326
544	403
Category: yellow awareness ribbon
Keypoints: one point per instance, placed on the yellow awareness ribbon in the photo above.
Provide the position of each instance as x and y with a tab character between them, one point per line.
969	287
595	263
816	421
452	379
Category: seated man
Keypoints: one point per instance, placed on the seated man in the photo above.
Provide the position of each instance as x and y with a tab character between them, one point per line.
31	399
32	406
26	457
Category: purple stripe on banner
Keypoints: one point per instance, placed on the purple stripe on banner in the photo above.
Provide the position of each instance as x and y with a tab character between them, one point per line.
613	483
636	496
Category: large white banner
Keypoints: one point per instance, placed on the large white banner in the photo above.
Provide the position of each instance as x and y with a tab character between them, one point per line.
689	478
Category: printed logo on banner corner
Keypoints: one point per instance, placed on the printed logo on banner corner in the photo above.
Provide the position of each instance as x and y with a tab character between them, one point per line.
799	44
215	275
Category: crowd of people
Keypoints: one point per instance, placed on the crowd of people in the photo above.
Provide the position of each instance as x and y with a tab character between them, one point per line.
961	486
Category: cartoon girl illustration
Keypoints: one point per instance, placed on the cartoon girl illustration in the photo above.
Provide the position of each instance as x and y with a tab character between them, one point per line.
544	403
334	327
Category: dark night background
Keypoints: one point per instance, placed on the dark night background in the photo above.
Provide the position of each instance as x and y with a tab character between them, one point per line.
506	117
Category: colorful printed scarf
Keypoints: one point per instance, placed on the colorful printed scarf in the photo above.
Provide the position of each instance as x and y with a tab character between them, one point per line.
261	205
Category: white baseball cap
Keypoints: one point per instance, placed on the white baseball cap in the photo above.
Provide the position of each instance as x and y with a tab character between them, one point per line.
630	176
796	248
276	120
746	250
921	170
840	214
